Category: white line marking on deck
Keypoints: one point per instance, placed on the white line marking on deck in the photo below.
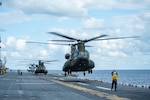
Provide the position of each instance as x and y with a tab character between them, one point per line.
82	83
35	83
58	78
104	88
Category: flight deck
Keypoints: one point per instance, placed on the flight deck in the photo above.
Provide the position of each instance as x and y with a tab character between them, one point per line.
57	87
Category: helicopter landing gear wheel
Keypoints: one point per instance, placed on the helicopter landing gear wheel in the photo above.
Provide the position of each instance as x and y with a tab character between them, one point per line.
84	73
90	71
69	72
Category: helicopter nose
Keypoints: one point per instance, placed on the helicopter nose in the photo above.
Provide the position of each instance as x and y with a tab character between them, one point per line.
82	58
83	61
85	57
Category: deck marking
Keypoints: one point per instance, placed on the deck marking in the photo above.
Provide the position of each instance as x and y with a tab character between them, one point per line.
35	83
82	83
95	92
61	79
104	88
98	93
58	78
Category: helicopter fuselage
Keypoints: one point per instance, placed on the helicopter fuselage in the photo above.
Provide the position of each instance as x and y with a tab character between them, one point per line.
79	61
41	68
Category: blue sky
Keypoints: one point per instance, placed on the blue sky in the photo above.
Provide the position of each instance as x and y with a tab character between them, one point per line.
30	20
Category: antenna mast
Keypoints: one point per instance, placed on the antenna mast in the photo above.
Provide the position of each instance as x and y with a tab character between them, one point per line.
0	46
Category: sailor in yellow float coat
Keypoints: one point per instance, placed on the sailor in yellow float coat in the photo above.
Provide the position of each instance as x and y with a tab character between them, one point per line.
114	80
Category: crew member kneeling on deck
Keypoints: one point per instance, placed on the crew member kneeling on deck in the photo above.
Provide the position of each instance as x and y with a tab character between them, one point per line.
114	80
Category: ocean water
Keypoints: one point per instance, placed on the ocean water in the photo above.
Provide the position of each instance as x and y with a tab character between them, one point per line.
136	77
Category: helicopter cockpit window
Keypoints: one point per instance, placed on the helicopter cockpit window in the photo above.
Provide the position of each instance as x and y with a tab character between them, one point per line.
83	53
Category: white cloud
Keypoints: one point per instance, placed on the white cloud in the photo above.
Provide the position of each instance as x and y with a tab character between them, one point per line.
72	8
99	4
43	53
130	23
52	46
14	16
21	44
117	31
133	4
15	54
117	54
10	41
66	49
93	23
19	11
121	4
2	45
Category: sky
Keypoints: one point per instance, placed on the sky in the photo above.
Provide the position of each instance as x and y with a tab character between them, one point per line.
31	20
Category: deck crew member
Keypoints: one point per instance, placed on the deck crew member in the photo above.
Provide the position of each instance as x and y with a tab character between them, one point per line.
114	80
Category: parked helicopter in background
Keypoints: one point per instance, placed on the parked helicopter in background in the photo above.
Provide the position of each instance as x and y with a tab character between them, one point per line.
40	67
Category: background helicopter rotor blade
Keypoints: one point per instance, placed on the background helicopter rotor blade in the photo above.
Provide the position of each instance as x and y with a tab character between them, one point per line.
58	34
49	60
118	38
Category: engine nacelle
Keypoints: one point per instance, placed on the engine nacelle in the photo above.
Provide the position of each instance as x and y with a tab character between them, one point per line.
67	56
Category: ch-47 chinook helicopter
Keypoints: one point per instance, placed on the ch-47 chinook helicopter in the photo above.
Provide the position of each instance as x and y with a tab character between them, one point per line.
40	67
79	60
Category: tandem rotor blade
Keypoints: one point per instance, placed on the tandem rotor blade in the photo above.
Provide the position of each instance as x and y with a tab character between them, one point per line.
117	38
58	34
46	43
62	40
94	38
71	38
52	43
